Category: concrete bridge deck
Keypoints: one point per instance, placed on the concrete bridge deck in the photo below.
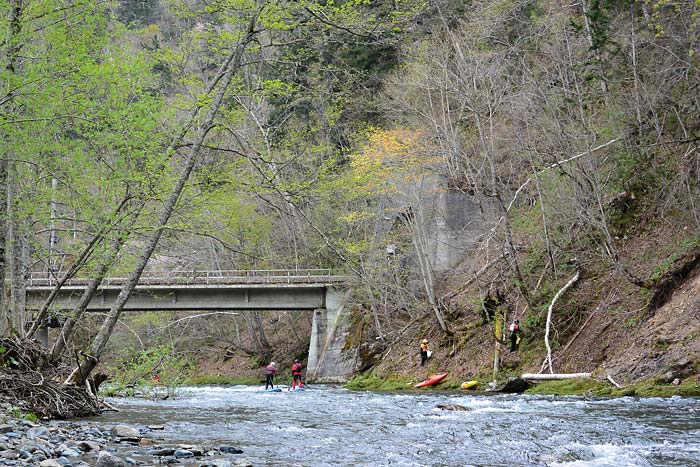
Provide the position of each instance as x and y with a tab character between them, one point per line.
297	289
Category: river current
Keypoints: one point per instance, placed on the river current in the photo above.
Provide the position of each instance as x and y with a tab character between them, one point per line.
332	426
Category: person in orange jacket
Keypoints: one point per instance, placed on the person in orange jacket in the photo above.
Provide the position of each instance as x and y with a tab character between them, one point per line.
423	351
296	374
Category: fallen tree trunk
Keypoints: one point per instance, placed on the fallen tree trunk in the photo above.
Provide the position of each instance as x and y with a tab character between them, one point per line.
545	376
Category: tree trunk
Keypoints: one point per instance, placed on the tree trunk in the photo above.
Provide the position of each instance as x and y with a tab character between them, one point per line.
548	359
222	80
79	310
498	332
15	27
553	376
4	315
17	261
80	262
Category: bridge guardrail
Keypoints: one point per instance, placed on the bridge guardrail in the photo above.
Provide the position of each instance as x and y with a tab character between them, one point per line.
223	277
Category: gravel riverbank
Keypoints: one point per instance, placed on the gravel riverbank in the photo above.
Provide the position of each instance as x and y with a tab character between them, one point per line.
60	443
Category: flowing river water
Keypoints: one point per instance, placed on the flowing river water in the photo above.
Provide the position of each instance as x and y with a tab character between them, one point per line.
332	426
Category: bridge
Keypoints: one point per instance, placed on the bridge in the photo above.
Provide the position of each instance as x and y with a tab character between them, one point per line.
231	290
297	289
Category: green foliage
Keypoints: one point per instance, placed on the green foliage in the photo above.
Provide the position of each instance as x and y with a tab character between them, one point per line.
14	412
395	383
568	387
7	360
374	383
590	386
688	245
204	379
157	366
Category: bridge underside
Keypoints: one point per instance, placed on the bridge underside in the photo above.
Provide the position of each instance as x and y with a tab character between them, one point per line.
292	297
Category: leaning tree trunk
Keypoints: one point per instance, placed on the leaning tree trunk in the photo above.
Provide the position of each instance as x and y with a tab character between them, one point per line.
223	80
69	326
548	359
79	263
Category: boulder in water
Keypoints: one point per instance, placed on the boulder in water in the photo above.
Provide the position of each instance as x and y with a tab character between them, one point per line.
455	407
126	433
230	450
106	459
515	385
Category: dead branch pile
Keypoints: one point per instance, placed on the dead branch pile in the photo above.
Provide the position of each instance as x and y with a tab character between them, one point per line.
28	382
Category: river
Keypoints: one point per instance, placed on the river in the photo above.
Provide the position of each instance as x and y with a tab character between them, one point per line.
332	426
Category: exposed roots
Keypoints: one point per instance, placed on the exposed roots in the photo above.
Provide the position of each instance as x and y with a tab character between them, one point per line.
27	382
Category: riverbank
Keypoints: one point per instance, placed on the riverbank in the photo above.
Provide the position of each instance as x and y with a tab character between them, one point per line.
589	386
26	441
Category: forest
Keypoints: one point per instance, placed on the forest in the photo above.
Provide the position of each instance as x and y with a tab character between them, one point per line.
143	137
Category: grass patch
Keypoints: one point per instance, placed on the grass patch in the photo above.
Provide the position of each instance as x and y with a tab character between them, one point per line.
397	383
567	387
649	388
373	383
654	388
201	380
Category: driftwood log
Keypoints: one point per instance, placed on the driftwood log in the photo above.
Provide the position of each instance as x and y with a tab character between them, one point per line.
554	376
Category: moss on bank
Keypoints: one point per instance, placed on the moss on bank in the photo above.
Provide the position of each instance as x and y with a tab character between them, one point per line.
649	388
570	387
374	383
396	383
204	379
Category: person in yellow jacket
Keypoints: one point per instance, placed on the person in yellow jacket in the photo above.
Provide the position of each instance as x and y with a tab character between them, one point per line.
423	352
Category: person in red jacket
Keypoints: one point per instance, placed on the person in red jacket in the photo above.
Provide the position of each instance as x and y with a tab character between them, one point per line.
296	374
270	372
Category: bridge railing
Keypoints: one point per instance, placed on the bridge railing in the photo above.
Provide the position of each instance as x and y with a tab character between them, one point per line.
194	277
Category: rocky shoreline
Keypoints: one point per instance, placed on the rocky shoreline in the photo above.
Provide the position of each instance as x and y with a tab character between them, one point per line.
59	443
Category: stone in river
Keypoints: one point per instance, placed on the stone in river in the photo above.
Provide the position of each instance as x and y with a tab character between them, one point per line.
126	433
147	442
106	459
70	453
455	407
89	446
183	453
217	463
161	452
38	432
6	428
230	450
50	463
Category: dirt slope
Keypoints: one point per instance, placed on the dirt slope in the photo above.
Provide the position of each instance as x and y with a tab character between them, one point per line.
668	341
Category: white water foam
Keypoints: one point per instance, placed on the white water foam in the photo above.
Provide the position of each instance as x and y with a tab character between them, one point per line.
605	455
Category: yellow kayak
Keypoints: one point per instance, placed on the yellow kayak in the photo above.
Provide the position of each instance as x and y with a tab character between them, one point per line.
470	384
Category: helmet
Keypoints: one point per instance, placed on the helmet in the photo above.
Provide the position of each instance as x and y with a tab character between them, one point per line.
296	361
425	341
273	364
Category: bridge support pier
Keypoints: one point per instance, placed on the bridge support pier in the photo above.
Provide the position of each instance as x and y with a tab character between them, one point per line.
328	361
